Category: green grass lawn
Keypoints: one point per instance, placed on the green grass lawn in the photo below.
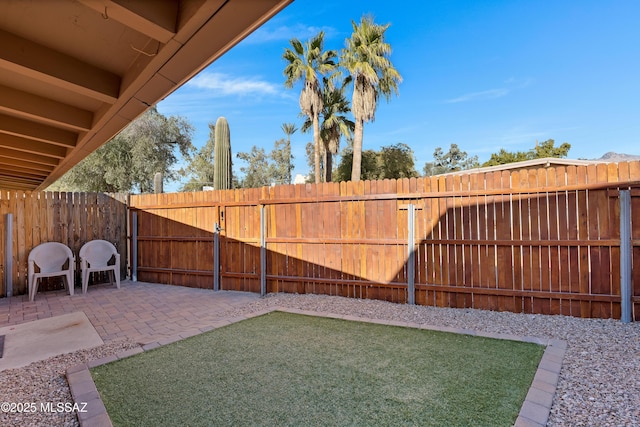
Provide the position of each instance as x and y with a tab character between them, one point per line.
284	369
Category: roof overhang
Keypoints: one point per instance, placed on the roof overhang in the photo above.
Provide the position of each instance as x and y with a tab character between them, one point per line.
73	73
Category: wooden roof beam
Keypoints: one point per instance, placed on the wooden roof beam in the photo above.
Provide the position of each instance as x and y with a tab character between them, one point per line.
21	155
31	146
38	62
38	108
20	168
36	131
13	185
155	19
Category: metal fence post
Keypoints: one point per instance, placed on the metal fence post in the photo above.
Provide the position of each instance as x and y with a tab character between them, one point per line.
625	256
263	252
134	246
8	256
411	247
216	257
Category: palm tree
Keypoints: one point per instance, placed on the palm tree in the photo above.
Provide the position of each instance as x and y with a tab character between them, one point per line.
335	123
307	63
288	129
366	59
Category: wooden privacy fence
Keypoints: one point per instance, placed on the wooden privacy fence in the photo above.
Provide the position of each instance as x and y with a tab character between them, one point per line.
31	218
535	241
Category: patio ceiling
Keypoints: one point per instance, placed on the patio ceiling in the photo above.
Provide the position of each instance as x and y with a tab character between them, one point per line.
73	73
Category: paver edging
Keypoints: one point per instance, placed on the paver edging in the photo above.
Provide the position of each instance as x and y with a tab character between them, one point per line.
534	412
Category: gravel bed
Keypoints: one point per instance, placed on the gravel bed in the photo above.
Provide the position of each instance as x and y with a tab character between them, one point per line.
45	382
599	383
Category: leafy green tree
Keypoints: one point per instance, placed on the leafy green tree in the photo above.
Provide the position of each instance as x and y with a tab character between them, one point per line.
540	151
452	161
369	166
366	59
392	162
264	168
257	172
503	157
397	161
306	63
130	160
310	155
548	149
200	169
281	166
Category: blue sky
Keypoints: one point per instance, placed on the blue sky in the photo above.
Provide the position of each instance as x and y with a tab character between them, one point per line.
481	74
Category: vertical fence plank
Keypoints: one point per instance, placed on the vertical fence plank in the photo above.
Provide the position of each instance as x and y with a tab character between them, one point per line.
516	221
456	249
411	220
553	226
490	236
573	285
22	250
3	211
625	260
7	289
475	261
504	253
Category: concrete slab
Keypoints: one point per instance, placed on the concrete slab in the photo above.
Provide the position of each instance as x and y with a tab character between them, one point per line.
41	339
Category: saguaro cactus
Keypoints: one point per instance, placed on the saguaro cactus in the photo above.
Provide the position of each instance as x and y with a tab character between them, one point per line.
222	156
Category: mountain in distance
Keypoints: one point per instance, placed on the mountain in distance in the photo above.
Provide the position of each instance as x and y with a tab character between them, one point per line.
618	157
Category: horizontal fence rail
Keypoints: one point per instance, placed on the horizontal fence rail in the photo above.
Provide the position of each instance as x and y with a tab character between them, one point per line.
537	241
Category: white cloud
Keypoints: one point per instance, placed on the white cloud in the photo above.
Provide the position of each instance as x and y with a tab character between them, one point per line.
223	85
511	84
485	94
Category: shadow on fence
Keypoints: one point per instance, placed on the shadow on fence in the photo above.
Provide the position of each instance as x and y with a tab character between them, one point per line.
552	253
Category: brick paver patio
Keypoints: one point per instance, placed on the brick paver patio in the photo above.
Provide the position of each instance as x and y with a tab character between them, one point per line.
141	311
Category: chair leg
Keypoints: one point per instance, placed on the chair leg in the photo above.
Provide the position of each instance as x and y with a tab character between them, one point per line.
85	281
70	282
33	288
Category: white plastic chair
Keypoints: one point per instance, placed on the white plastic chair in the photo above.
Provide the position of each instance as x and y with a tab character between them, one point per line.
95	256
50	258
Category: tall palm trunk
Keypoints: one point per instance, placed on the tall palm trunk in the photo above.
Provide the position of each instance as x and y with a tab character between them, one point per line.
288	157
316	146
357	150
328	165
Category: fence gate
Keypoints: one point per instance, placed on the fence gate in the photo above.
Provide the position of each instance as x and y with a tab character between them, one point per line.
239	240
174	245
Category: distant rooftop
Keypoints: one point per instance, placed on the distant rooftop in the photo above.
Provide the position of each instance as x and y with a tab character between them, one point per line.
544	162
